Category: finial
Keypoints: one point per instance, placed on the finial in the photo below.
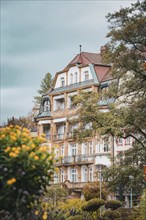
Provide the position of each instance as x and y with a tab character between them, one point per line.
80	48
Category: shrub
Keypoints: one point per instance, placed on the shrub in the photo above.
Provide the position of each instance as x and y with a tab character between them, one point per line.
93	205
113	204
111	215
26	167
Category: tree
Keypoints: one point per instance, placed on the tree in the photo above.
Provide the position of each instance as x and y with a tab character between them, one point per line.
26	167
23	121
56	194
131	163
44	87
126	51
92	190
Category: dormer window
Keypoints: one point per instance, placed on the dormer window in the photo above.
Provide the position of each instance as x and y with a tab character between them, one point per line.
76	77
46	106
71	78
86	75
62	81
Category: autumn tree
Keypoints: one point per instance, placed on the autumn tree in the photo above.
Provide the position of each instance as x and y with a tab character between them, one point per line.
44	87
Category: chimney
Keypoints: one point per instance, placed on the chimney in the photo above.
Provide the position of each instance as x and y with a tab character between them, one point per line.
102	49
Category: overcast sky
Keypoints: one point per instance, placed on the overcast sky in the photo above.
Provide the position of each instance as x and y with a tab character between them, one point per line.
44	36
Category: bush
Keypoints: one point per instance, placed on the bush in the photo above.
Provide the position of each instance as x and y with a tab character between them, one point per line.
26	167
93	205
113	204
111	215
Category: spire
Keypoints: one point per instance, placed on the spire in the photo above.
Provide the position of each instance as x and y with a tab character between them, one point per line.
80	48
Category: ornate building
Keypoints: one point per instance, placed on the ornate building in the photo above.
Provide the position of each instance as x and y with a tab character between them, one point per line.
78	163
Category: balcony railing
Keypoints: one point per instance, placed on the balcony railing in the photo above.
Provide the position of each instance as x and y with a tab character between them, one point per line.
58	137
76	159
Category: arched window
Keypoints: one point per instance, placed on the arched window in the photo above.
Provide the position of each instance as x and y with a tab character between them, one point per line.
76	77
71	78
85	174
46	106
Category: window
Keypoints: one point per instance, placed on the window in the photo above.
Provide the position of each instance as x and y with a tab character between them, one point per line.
120	141
90	148
73	149
62	81
73	175
76	77
59	104
85	174
56	178
86	74
127	140
62	175
84	148
91	174
71	78
62	150
46	130
104	91
106	145
46	106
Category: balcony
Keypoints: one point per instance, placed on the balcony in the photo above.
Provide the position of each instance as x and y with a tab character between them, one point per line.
58	137
78	186
76	159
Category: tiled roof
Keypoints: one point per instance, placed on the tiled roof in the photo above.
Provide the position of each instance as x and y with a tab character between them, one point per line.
85	58
73	86
102	72
44	114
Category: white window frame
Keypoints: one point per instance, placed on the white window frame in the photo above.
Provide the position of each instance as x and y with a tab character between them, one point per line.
73	175
76	77
86	75
91	174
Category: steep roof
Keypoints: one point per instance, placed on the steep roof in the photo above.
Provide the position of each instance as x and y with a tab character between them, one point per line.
85	58
102	72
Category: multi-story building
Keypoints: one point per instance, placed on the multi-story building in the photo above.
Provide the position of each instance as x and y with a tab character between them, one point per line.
78	163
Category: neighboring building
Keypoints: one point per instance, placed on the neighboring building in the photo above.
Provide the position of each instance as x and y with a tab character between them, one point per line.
79	162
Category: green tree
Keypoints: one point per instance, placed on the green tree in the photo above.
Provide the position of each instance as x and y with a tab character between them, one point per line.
92	190
44	87
126	165
56	194
26	167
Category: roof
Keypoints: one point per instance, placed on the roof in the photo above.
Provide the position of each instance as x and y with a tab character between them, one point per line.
44	114
73	86
102	72
84	59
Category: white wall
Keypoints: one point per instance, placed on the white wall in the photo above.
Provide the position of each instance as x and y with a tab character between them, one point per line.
83	74
58	81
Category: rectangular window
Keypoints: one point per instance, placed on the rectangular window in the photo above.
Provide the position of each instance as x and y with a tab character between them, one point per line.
120	141
86	74
91	174
62	79
127	141
73	175
90	148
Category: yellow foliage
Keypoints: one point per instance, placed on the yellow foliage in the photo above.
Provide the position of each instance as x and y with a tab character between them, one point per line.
11	181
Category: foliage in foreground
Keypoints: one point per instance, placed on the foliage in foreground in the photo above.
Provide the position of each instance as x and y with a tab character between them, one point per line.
26	167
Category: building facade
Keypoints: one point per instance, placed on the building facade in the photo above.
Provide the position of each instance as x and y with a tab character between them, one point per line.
78	163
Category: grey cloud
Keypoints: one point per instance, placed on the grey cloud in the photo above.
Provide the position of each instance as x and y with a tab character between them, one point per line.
43	36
